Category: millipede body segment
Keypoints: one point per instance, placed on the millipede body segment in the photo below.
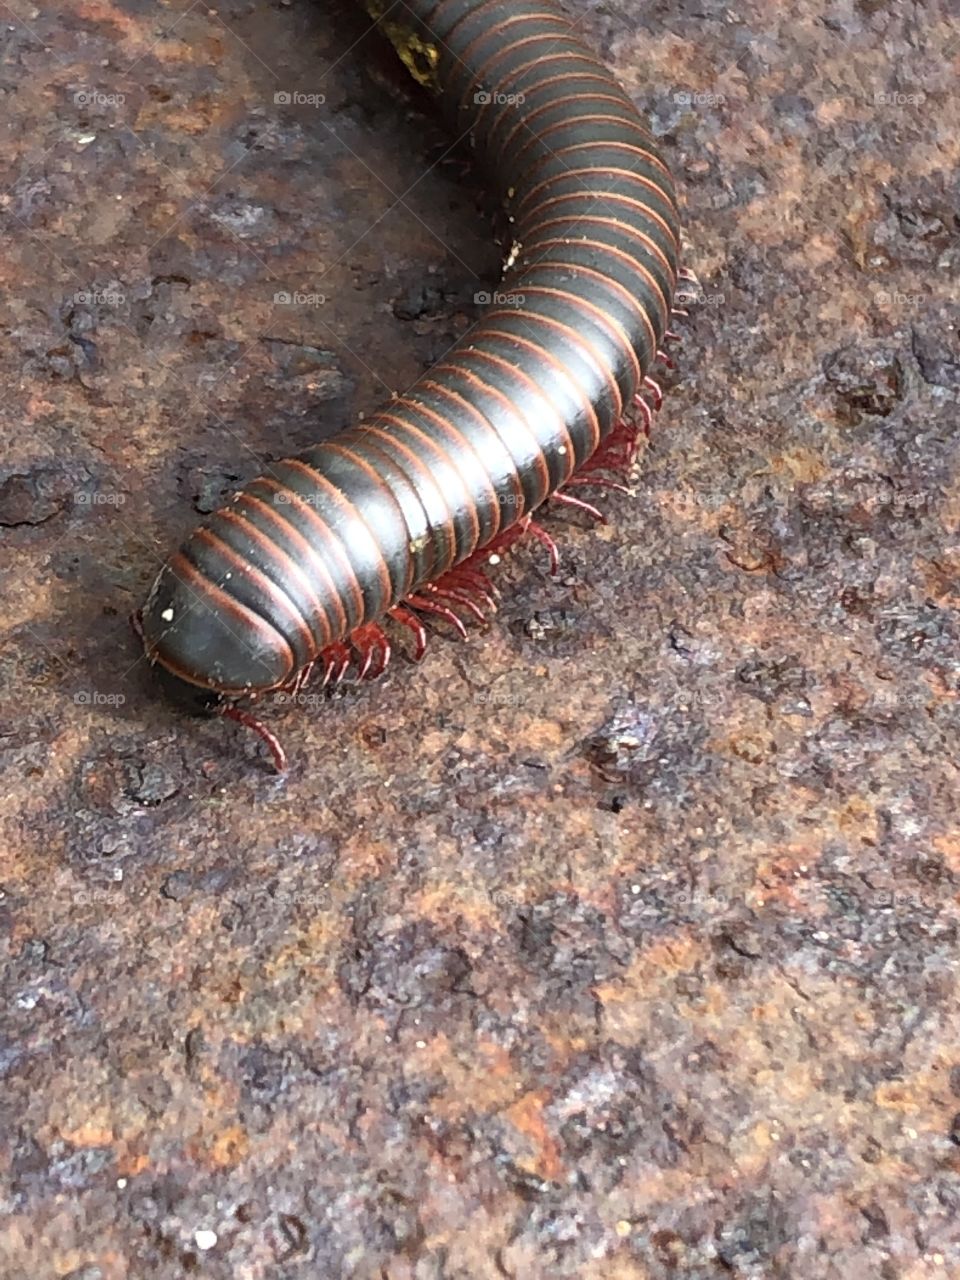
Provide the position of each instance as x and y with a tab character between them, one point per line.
396	516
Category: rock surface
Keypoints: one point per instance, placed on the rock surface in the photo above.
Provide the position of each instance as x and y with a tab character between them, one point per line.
616	943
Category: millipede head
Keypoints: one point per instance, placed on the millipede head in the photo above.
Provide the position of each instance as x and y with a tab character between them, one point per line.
191	698
205	648
188	697
195	700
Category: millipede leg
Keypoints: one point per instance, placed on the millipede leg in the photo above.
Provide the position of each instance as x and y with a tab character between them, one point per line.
441	610
373	650
615	454
473	582
537	531
568	500
301	678
410	620
597	482
467	587
263	733
336	662
655	390
646	413
441	591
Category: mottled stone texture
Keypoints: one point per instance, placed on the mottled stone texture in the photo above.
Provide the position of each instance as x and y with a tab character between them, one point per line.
617	943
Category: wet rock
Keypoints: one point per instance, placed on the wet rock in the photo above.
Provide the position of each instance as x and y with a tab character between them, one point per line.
793	109
298	361
554	630
864	382
770	679
939	361
265	1072
625	744
150	784
631	919
30	498
419	299
406	969
243	218
920	631
180	886
206	484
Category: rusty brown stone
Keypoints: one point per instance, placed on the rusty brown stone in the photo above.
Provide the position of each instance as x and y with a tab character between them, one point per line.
616	943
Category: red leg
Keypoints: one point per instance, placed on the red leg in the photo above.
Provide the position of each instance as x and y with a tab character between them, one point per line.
441	591
645	412
441	610
616	453
336	659
507	538
568	500
503	541
597	482
385	651
541	535
467	586
301	678
474	583
410	620
372	649
655	390
263	733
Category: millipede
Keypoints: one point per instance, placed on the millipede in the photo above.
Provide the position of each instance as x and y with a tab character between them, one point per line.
399	517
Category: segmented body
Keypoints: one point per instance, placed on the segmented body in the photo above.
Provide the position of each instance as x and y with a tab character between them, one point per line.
307	558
